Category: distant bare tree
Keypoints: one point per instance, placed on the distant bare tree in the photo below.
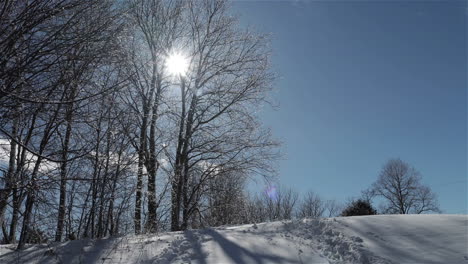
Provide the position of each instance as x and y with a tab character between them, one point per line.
256	210
225	201
287	200
333	208
311	206
400	185
278	204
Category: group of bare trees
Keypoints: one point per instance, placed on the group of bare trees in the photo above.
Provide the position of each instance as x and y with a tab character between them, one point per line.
57	63
285	204
99	138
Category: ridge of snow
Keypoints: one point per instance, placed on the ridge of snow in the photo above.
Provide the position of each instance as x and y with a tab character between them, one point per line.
380	239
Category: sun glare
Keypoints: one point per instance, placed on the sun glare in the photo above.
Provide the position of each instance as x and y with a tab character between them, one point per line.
177	64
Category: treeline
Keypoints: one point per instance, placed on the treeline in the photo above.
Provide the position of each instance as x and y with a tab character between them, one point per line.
100	138
398	189
232	206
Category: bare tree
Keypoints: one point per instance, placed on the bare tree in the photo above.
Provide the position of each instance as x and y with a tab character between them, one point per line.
400	186
274	204
217	128
224	200
256	211
311	206
155	26
53	52
333	208
92	49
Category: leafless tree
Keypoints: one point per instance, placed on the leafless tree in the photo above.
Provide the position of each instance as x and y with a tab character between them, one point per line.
275	204
228	76
256	211
311	206
400	186
224	201
155	26
333	208
93	48
53	52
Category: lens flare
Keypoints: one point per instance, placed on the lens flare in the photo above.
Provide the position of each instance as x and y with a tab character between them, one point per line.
271	192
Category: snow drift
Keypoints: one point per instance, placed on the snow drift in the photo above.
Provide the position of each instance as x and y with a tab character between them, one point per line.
364	239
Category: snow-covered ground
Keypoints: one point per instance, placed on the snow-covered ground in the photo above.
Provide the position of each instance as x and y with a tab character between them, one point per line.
365	239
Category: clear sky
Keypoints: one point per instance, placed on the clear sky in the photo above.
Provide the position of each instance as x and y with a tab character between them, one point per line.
361	82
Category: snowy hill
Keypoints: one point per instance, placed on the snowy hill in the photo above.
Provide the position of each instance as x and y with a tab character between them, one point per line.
365	239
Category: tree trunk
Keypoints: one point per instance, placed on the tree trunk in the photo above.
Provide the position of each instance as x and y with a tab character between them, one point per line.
29	205
153	166
110	212
101	227
17	200
185	174
63	175
33	188
94	187
176	183
9	177
141	159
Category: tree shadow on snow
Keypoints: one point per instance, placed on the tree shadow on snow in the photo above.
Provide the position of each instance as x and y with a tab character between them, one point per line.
195	241
78	251
29	254
239	254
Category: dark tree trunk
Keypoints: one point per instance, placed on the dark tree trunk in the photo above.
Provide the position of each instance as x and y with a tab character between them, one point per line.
33	188
185	174
101	228
176	183
141	160
63	175
9	177
153	165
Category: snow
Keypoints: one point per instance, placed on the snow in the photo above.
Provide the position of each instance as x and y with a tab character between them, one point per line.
412	238
366	239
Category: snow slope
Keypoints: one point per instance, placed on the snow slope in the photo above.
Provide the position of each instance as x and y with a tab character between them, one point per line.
366	239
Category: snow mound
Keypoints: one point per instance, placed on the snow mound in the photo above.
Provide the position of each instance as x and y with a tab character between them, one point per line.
367	239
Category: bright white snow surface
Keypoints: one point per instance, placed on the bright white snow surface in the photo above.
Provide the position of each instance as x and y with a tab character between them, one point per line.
363	239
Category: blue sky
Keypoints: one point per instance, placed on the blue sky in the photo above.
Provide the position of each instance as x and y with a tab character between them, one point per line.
361	82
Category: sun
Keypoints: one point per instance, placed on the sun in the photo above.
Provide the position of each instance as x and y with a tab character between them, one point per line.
177	64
